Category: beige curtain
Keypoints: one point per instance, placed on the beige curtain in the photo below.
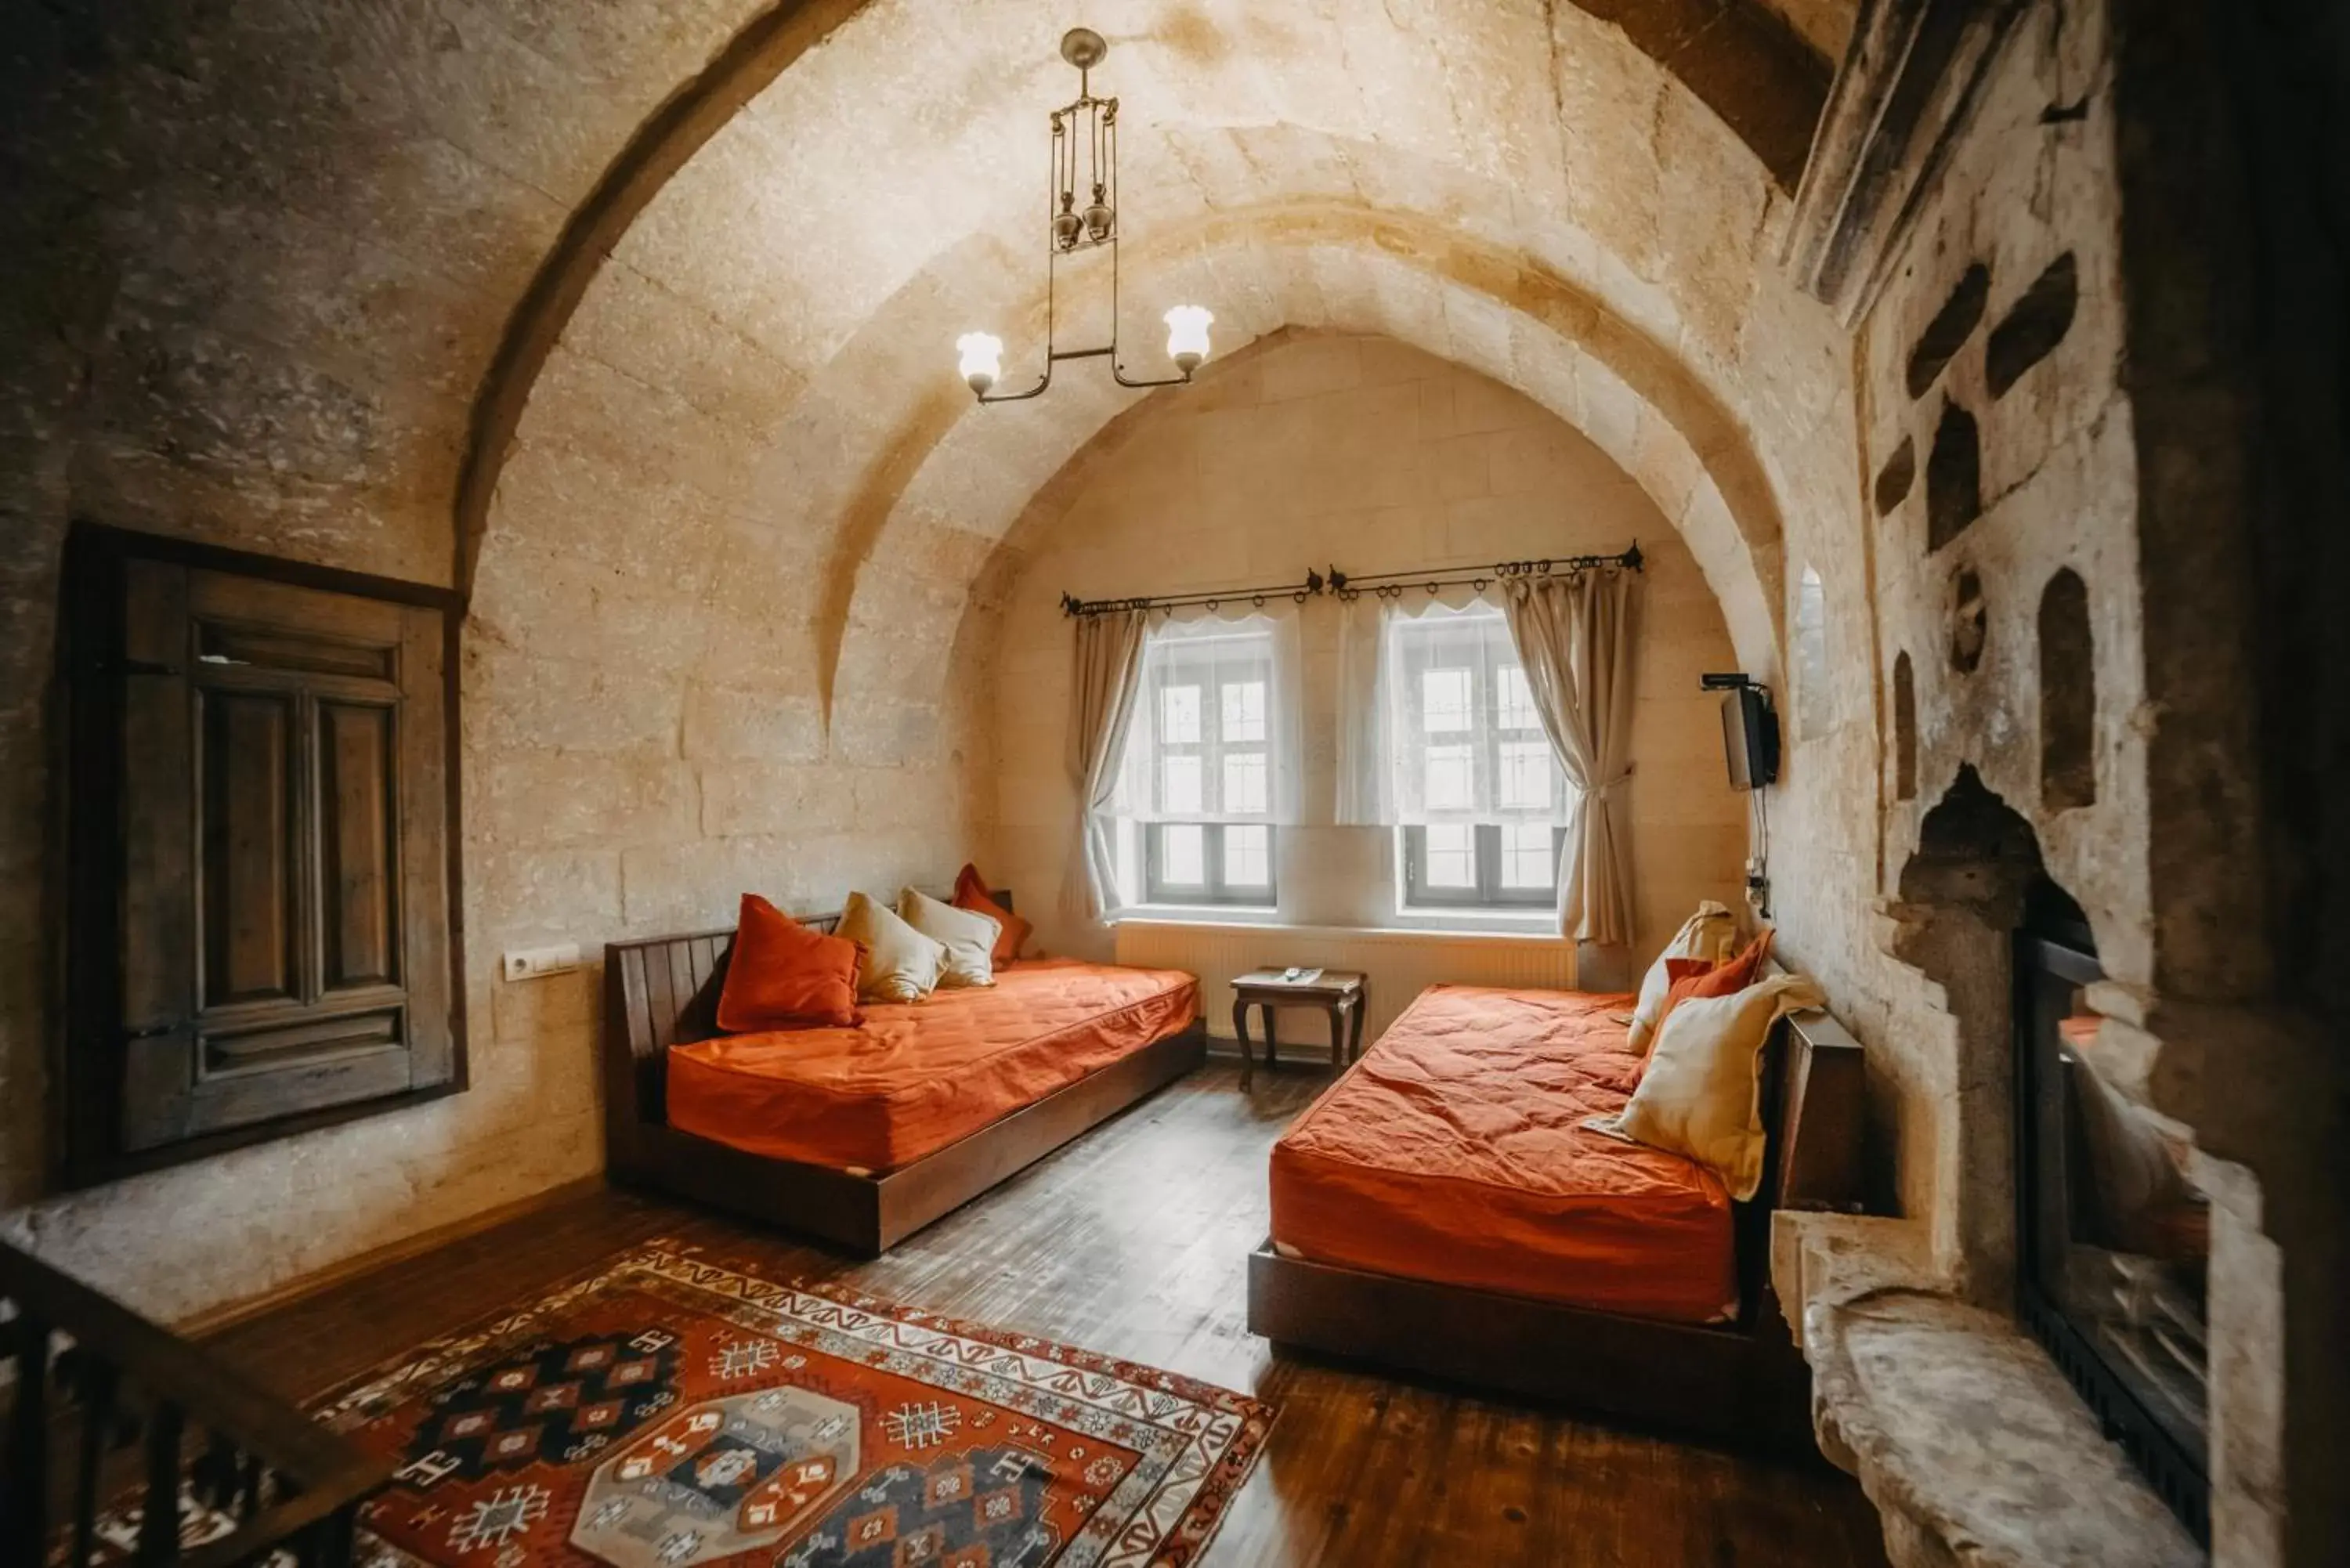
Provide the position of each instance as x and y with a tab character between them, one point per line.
1104	676
1575	638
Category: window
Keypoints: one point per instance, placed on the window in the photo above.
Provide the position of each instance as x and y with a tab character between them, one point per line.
1480	865
1200	777
1478	791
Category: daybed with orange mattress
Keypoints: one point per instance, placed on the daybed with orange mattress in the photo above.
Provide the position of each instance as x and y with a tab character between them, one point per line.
863	1134
1443	1208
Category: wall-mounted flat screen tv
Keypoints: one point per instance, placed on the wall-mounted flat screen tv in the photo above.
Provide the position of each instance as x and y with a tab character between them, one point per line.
1750	737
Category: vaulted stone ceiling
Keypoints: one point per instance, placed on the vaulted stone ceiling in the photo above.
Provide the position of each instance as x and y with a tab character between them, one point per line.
642	314
759	377
274	249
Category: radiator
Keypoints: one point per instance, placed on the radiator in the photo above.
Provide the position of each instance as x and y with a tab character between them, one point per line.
1398	965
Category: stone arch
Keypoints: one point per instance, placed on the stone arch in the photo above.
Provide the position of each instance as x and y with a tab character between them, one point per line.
1521	325
1964	894
2068	695
1770	102
1815	702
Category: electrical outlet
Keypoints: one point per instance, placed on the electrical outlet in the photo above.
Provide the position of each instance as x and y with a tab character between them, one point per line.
536	964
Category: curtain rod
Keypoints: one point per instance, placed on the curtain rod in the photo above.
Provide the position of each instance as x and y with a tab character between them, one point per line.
1299	592
1385	585
1392	585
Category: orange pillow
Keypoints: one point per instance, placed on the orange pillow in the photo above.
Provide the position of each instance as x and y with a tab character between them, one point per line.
1696	977
784	975
1010	930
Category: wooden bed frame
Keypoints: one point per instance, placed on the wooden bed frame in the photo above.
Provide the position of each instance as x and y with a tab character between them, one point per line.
663	991
1743	1382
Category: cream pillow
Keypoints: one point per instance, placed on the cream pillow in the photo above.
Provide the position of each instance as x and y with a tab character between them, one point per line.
968	936
1702	1094
1709	934
900	963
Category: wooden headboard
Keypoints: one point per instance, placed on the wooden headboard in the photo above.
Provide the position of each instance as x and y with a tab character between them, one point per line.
661	991
1812	1106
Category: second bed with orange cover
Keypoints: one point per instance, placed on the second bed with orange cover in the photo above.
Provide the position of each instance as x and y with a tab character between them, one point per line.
1453	1152
916	1076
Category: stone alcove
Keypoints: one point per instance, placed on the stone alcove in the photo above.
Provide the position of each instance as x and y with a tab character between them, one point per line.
1962	895
1927	1384
2068	695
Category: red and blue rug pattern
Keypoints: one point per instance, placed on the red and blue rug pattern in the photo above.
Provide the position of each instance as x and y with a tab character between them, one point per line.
670	1413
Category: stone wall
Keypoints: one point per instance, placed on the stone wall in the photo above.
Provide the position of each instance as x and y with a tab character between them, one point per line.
257	262
1321	448
1989	478
2062	453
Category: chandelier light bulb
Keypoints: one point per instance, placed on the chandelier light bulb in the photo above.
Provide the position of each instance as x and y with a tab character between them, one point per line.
1187	336
1067	225
982	359
1098	218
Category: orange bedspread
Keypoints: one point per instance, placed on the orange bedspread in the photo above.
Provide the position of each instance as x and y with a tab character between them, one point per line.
916	1076
1451	1152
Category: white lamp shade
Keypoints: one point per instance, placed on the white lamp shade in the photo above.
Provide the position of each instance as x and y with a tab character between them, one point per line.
982	358
1186	335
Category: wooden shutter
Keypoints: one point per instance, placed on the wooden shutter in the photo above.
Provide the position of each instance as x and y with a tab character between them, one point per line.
281	896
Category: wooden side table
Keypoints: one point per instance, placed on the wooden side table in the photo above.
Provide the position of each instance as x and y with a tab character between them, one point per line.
1337	991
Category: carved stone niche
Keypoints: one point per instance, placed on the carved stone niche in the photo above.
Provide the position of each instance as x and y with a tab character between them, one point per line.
1909	81
1964	1433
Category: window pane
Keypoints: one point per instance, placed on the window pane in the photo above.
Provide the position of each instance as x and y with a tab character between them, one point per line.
1527	860
1179	785
1248	856
1451	853
1444	701
1245	781
1514	700
1244	712
1450	778
1179	715
1183	855
1525	783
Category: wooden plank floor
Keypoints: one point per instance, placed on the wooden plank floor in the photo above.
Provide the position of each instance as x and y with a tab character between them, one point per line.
1133	1241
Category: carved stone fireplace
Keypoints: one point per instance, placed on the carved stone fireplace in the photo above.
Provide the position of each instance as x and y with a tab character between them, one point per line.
1988	1367
2098	1317
2113	1236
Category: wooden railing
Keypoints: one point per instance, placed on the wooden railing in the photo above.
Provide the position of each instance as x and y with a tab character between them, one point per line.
92	1381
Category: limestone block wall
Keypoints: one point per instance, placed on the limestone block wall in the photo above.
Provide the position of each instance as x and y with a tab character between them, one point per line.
1315	449
2025	537
257	260
1988	478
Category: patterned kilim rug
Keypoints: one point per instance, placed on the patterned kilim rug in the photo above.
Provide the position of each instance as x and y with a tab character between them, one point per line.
668	1413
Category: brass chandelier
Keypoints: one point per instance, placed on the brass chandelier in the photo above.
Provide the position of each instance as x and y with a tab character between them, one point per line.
1085	132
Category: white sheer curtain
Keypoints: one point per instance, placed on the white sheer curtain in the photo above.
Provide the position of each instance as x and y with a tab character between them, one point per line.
1437	733
1217	731
1365	767
1465	741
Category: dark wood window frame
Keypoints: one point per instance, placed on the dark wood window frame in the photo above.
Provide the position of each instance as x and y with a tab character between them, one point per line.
101	662
1215	891
1489	893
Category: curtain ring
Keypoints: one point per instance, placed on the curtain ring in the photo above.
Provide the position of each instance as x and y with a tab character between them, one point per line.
1213	604
1258	601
